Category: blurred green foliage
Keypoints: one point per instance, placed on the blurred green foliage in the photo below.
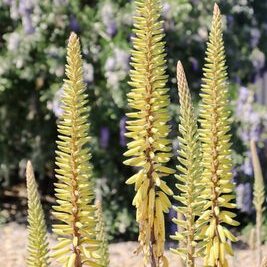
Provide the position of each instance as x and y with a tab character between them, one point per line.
33	36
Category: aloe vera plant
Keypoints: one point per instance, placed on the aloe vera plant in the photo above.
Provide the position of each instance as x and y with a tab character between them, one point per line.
258	199
148	128
77	244
216	149
189	157
37	239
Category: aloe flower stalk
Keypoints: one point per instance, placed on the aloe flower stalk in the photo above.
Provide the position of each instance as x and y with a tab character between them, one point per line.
37	239
77	244
258	199
189	185
216	149
101	236
148	128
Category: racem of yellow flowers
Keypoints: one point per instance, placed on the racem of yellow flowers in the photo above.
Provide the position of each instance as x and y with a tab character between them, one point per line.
216	159
189	179
77	244
148	128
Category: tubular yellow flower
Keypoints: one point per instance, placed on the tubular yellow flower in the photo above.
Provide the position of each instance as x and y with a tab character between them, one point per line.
258	198
216	148
37	240
148	127
77	244
101	236
189	185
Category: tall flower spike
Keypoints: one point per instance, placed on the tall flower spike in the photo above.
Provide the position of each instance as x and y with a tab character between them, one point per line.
258	199
101	236
77	244
189	185
148	127
216	149
37	240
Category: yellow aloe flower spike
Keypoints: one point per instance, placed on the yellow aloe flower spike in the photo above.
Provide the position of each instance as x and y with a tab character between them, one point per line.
148	128
258	199
37	240
101	236
216	149
77	244
189	185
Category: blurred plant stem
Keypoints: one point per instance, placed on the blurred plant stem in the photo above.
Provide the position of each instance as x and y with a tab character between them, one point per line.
258	200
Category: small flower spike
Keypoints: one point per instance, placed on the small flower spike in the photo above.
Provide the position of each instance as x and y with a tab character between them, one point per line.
37	239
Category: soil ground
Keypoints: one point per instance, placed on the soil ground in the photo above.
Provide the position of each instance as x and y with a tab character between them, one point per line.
14	239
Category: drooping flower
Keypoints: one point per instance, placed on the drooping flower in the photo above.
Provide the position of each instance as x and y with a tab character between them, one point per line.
148	128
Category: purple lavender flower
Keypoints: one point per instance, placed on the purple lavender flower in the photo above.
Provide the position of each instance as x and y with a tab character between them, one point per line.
230	21
247	166
27	24
25	10
117	67
235	173
111	28
237	80
56	104
244	197
173	227
88	73
108	19
110	64
8	2
26	6
74	25
194	64
123	131
104	137
166	10
255	35
256	132
251	120
243	94
122	59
